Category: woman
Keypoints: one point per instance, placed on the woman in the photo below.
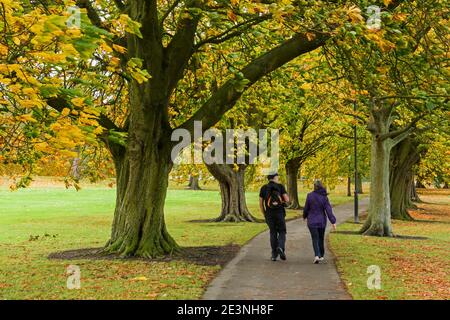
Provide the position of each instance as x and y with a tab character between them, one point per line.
317	209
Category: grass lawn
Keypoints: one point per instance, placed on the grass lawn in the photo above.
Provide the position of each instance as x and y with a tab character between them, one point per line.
410	269
67	219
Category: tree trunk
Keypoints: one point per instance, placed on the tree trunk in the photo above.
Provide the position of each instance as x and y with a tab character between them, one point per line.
349	186
403	158
142	179
378	222
142	168
194	183
292	167
232	191
138	227
359	188
414	195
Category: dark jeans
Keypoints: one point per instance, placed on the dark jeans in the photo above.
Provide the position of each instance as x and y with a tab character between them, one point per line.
277	226
317	236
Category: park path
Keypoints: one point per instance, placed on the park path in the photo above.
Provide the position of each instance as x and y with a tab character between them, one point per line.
252	275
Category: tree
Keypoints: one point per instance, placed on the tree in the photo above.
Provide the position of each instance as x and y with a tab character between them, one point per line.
194	182
253	112
148	46
387	67
404	156
305	135
434	164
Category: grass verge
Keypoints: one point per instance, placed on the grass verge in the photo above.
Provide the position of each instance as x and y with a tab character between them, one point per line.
410	268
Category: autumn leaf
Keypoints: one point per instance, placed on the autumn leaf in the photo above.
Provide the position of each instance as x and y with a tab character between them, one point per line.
140	278
231	16
310	36
354	13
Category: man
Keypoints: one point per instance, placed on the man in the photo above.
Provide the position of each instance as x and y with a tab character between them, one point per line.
273	199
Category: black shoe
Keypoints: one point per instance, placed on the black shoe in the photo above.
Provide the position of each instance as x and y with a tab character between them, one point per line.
282	254
274	255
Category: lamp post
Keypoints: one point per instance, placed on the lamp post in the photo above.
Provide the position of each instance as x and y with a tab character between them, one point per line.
356	167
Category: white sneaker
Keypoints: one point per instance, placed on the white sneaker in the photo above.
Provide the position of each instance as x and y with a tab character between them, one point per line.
321	259
316	260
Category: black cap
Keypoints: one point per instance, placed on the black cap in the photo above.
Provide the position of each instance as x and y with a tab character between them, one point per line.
271	176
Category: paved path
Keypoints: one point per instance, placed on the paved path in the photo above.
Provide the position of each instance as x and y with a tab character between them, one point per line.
252	275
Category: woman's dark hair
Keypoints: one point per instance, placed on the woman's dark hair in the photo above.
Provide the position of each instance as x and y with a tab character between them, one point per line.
318	185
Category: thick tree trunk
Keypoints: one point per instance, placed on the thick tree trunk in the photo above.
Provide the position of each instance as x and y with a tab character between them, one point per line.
138	227
292	167
232	190
142	179
403	158
194	183
378	222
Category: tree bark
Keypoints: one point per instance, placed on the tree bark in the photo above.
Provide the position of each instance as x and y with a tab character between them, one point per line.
414	195
403	158
232	190
349	186
359	188
194	183
378	222
142	178
143	166
292	168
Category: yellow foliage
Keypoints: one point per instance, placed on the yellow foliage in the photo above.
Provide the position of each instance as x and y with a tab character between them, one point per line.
65	112
78	102
354	13
119	48
3	50
26	118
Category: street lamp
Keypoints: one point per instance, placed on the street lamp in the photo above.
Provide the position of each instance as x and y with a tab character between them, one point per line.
356	166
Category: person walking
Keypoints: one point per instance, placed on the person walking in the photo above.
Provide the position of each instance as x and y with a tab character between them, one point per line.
316	211
273	199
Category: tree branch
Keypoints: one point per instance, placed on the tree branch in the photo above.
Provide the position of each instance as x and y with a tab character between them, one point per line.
401	136
166	14
227	95
238	29
92	14
181	47
394	134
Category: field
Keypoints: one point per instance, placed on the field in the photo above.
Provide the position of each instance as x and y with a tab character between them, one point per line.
48	218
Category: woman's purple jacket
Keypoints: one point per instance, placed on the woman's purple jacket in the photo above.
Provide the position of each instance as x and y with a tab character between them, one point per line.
318	208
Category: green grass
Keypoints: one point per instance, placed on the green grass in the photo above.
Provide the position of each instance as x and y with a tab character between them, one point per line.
410	268
74	220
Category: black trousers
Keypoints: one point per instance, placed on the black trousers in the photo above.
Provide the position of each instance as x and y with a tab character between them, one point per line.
277	226
318	236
